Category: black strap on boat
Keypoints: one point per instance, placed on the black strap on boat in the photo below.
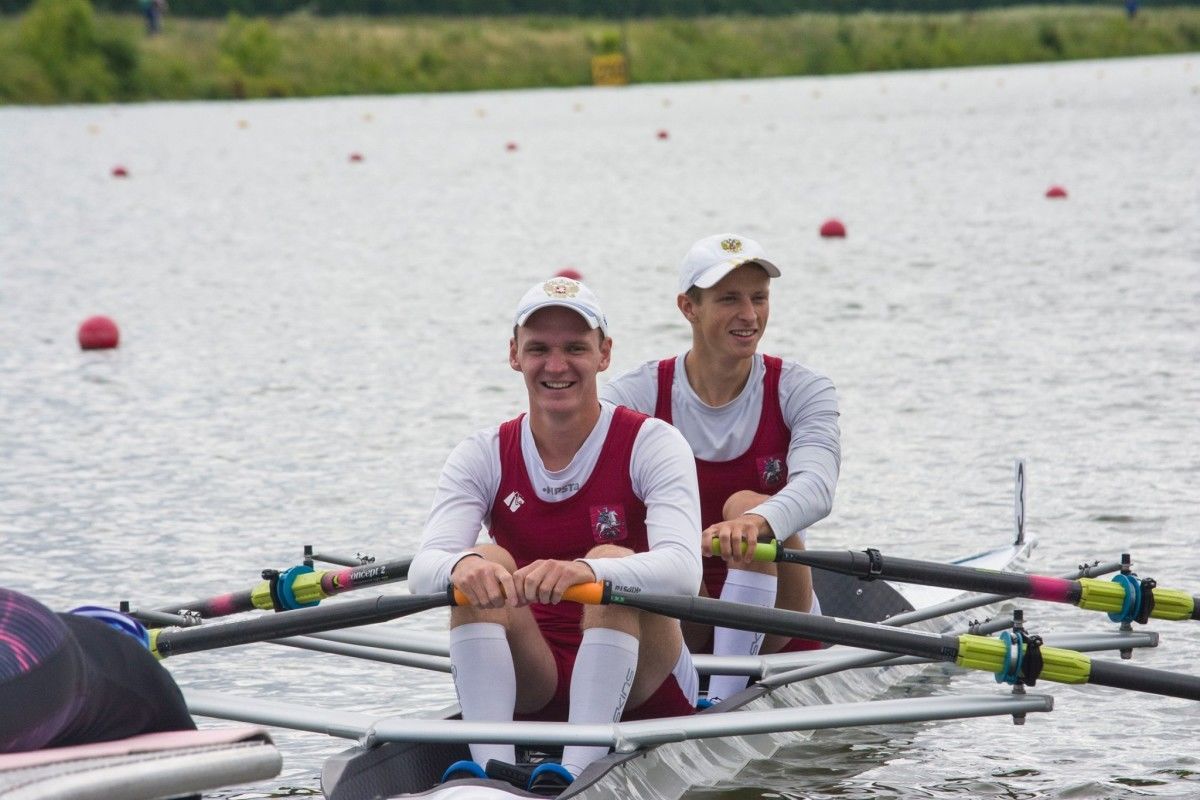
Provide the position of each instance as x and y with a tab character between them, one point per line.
875	567
1031	665
272	578
1146	601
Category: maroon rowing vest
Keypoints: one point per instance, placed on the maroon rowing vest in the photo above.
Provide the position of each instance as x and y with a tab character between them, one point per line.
762	468
604	511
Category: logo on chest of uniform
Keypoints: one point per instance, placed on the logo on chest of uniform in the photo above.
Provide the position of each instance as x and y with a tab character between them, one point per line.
608	523
772	472
514	501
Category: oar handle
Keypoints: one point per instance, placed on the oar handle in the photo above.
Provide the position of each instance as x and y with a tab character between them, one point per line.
763	551
591	594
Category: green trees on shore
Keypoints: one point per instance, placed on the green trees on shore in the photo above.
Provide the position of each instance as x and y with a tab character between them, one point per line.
611	9
61	54
65	51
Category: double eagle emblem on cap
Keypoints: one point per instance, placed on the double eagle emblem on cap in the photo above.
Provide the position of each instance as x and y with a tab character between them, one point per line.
560	287
731	245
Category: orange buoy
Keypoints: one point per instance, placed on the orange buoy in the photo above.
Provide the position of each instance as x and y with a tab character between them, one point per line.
120	172
568	272
662	134
98	333
355	157
833	229
1056	192
511	146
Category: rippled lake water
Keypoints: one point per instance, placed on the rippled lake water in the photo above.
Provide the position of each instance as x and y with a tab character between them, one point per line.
304	338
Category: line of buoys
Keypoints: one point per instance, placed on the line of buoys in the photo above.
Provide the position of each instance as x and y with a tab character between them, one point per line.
98	333
355	158
511	147
663	134
1056	193
833	229
568	272
120	172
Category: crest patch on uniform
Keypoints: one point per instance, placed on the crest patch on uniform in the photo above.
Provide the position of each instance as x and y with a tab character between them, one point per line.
772	472
514	501
731	245
608	523
560	287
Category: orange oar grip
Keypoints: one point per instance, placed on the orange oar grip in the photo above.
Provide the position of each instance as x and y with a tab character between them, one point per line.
591	594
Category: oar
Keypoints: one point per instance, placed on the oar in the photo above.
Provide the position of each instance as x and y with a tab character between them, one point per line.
1125	598
297	587
1012	657
166	642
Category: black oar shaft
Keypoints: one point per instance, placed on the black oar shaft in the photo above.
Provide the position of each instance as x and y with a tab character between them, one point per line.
173	641
794	623
972	652
1125	600
310	587
865	565
1120	675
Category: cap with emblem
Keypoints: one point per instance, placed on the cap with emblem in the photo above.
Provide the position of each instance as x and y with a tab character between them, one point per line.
714	257
565	293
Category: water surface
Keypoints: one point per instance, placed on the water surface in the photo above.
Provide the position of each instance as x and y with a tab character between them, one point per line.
305	338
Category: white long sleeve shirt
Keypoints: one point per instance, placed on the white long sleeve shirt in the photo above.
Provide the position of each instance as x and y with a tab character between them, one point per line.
663	475
809	404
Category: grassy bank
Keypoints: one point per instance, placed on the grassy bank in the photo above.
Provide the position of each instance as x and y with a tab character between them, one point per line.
61	51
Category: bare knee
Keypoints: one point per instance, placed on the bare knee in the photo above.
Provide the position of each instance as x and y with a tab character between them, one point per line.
463	615
494	552
609	551
740	502
616	617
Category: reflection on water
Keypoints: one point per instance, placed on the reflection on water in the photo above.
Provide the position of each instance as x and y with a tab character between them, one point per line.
305	338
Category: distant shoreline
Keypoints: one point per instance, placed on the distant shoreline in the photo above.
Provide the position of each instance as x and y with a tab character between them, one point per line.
61	51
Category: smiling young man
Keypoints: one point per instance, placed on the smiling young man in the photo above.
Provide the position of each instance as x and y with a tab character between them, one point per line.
764	433
571	492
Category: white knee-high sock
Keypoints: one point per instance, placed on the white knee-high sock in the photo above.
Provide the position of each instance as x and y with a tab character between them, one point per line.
749	588
485	680
600	682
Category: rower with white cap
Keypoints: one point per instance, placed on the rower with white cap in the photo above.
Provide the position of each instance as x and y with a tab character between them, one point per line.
764	432
571	492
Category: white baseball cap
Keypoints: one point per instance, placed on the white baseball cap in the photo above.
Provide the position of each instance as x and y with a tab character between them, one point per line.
714	257
566	293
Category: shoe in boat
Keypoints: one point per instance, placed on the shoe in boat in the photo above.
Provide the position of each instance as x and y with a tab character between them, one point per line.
516	774
549	779
463	769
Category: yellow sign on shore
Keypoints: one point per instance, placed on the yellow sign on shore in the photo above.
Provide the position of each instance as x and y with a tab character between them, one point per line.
611	69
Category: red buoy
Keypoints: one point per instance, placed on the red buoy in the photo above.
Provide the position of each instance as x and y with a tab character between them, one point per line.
511	146
568	272
662	134
1056	192
98	333
120	172
833	228
355	157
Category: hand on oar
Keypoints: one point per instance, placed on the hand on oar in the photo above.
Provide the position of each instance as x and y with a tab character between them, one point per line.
1125	598
1012	657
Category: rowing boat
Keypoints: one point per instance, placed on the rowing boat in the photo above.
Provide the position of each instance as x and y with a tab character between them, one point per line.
794	693
666	771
